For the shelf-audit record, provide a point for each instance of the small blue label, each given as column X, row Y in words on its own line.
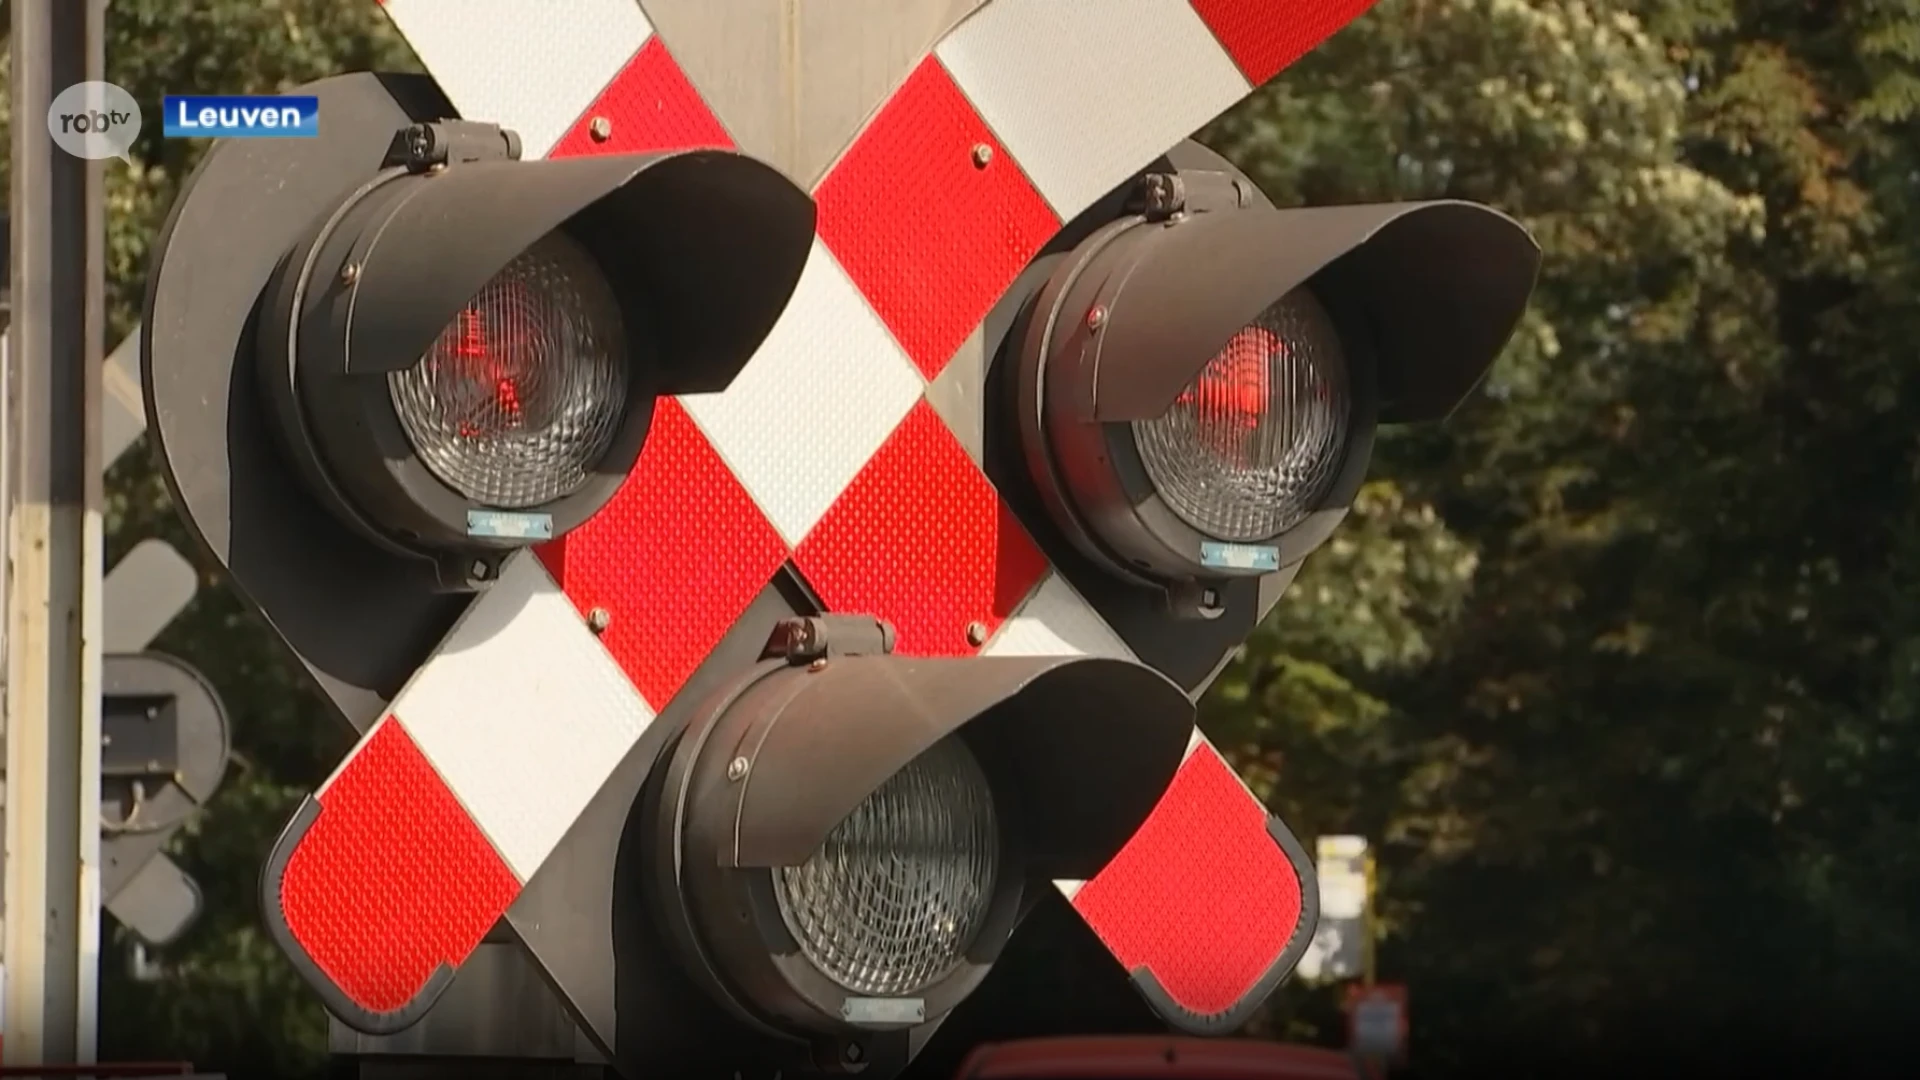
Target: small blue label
column 1219, row 556
column 507, row 525
column 240, row 116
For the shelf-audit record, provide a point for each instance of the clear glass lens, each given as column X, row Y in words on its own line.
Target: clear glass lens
column 521, row 395
column 1251, row 447
column 890, row 903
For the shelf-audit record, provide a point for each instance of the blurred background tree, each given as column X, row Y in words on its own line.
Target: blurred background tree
column 1620, row 667
column 1618, row 664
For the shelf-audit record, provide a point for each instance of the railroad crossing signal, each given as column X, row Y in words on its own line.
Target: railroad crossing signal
column 932, row 501
column 163, row 752
column 152, row 583
column 164, row 734
column 163, row 743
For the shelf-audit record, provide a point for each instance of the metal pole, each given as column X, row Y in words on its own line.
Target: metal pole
column 53, row 662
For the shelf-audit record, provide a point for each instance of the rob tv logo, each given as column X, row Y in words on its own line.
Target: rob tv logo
column 94, row 120
column 249, row 116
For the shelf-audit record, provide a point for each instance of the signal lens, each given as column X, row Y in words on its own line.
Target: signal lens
column 522, row 394
column 891, row 901
column 1253, row 445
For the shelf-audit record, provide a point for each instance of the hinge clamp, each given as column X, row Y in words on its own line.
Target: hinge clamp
column 1159, row 196
column 809, row 638
column 437, row 144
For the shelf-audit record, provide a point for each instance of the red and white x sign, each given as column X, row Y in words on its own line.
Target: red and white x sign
column 825, row 455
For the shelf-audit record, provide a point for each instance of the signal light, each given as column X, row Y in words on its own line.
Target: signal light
column 381, row 360
column 524, row 392
column 844, row 839
column 1254, row 442
column 1199, row 377
column 473, row 391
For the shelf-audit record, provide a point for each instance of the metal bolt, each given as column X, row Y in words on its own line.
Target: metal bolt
column 600, row 128
column 599, row 619
column 976, row 633
column 480, row 571
column 982, row 154
column 1096, row 317
column 818, row 665
column 349, row 273
column 852, row 1052
column 737, row 769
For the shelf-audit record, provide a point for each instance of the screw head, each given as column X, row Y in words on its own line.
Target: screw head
column 480, row 571
column 852, row 1052
column 599, row 619
column 737, row 769
column 976, row 633
column 982, row 155
column 600, row 129
column 349, row 273
column 1096, row 317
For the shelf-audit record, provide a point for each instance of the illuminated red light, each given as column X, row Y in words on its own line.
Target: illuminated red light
column 478, row 364
column 1234, row 392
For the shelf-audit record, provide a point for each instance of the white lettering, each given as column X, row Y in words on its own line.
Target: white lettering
column 224, row 117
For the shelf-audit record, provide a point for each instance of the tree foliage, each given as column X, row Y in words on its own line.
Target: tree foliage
column 1635, row 721
column 1620, row 666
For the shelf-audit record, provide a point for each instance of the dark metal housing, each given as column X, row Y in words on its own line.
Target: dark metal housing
column 1163, row 318
column 1423, row 295
column 1122, row 313
column 771, row 764
column 701, row 249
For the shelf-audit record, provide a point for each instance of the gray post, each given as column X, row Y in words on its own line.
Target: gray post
column 53, row 606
